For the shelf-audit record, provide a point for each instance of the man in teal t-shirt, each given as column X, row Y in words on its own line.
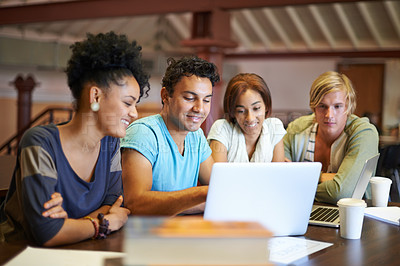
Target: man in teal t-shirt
column 166, row 155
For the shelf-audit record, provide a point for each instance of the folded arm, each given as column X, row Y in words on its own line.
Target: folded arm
column 361, row 147
column 75, row 230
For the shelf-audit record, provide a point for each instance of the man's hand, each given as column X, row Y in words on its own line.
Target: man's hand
column 326, row 176
column 287, row 160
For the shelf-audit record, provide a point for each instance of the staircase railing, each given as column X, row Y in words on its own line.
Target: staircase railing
column 45, row 117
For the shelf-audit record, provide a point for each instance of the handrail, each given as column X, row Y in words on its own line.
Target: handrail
column 50, row 110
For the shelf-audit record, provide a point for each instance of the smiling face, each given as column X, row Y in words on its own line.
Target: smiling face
column 189, row 105
column 250, row 112
column 118, row 107
column 331, row 114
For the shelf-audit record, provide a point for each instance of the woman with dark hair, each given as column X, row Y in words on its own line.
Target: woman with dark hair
column 247, row 134
column 67, row 183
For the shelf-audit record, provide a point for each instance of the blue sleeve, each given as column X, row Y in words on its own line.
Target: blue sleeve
column 38, row 182
column 143, row 139
column 205, row 150
column 115, row 181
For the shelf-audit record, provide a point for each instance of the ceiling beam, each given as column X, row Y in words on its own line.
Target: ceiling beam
column 278, row 28
column 395, row 18
column 90, row 9
column 322, row 25
column 347, row 25
column 343, row 54
column 302, row 29
column 240, row 34
column 257, row 28
column 370, row 24
column 178, row 23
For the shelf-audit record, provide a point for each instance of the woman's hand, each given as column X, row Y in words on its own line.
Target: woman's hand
column 117, row 215
column 54, row 207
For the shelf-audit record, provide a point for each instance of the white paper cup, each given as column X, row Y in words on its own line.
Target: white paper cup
column 351, row 213
column 380, row 188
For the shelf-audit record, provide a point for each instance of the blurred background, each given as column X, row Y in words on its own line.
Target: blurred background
column 287, row 42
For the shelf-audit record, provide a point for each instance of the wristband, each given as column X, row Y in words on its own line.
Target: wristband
column 96, row 228
column 103, row 227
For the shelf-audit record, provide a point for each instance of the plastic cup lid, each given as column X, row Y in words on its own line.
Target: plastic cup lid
column 351, row 202
column 378, row 179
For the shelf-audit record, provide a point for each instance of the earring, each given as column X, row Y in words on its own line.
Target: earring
column 95, row 106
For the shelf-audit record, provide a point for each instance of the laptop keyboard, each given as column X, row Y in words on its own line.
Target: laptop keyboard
column 324, row 214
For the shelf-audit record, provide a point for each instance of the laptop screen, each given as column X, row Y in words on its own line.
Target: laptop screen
column 278, row 195
column 366, row 173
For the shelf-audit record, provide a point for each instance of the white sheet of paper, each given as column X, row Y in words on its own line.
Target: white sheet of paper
column 386, row 214
column 288, row 249
column 62, row 257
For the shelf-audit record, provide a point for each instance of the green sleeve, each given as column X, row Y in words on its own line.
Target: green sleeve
column 361, row 146
column 288, row 144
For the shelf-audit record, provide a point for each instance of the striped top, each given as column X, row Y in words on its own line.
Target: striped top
column 309, row 156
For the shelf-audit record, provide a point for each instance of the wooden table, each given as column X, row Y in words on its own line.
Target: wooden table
column 113, row 242
column 379, row 245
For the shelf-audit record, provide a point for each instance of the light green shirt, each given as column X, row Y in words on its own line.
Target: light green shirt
column 357, row 143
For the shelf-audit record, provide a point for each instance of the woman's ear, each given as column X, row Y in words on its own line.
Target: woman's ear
column 95, row 93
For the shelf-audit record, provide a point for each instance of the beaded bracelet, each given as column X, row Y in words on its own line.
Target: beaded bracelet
column 103, row 227
column 96, row 228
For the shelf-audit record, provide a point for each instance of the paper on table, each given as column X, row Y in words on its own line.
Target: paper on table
column 289, row 249
column 386, row 214
column 46, row 256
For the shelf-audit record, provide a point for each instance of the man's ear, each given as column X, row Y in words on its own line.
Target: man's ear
column 164, row 95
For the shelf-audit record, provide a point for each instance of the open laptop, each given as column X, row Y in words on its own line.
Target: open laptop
column 329, row 216
column 278, row 195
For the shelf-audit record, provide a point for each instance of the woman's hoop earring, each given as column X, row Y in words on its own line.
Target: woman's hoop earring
column 95, row 106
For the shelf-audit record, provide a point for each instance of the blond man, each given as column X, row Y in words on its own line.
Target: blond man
column 332, row 135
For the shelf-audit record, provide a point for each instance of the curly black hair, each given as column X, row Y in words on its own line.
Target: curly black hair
column 103, row 59
column 188, row 66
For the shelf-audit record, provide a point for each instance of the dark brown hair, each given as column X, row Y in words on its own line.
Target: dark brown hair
column 240, row 84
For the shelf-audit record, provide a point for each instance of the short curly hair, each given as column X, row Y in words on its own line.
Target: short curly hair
column 103, row 59
column 186, row 67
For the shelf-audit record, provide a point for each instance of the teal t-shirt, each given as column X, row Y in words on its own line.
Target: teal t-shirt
column 171, row 170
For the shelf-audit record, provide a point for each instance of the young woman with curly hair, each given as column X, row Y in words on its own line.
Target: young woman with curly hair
column 67, row 183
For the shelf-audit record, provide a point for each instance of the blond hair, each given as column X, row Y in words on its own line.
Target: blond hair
column 332, row 81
